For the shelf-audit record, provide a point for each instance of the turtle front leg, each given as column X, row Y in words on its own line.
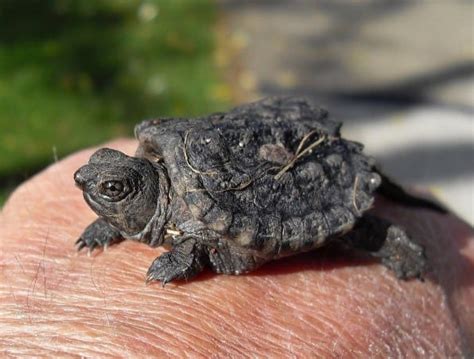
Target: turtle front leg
column 390, row 243
column 98, row 234
column 183, row 261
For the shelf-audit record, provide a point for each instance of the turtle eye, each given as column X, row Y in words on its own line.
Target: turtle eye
column 114, row 190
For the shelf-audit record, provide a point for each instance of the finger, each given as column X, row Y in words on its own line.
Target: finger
column 316, row 304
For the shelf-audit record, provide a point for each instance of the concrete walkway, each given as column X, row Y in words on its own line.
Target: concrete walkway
column 400, row 75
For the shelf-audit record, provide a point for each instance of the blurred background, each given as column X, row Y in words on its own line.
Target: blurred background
column 74, row 73
column 400, row 74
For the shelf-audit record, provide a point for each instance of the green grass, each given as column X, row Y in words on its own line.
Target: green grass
column 75, row 73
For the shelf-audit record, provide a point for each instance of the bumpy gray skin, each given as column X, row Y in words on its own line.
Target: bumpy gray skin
column 234, row 190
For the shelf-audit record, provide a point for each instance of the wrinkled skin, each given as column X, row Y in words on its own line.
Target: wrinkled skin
column 56, row 303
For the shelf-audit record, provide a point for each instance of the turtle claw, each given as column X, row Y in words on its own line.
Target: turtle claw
column 91, row 245
column 151, row 277
column 80, row 244
column 160, row 271
column 97, row 235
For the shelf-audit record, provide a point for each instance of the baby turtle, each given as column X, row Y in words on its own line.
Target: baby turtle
column 235, row 190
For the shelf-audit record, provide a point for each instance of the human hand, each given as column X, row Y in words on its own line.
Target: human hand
column 56, row 302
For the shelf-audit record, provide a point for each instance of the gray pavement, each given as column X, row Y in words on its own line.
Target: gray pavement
column 400, row 74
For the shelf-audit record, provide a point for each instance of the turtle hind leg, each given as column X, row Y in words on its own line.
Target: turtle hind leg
column 400, row 254
column 390, row 243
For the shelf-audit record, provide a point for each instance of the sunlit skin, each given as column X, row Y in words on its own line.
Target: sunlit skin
column 56, row 302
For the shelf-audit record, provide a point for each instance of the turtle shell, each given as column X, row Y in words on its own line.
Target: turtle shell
column 274, row 175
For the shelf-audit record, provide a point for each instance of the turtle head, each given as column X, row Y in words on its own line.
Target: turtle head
column 122, row 190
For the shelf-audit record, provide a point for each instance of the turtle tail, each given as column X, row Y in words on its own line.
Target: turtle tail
column 395, row 192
